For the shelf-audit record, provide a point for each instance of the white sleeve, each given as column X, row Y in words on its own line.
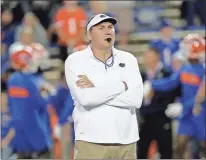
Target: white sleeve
column 133, row 97
column 90, row 97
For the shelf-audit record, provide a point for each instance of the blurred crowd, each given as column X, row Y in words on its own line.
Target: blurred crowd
column 36, row 116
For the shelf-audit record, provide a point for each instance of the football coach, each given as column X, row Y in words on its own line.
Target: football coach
column 107, row 88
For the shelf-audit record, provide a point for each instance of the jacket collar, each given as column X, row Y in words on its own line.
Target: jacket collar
column 90, row 52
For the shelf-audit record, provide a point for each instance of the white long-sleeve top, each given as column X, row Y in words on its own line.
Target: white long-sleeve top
column 105, row 113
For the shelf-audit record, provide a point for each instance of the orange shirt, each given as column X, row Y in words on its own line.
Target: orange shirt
column 71, row 22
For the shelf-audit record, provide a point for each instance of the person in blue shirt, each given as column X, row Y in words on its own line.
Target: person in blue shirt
column 66, row 122
column 190, row 77
column 155, row 125
column 7, row 130
column 166, row 44
column 62, row 104
column 8, row 28
column 46, row 89
column 25, row 102
column 7, row 38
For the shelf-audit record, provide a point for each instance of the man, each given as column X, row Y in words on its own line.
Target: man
column 25, row 104
column 7, row 130
column 190, row 77
column 60, row 108
column 156, row 125
column 69, row 24
column 106, row 87
column 26, row 38
column 7, row 30
column 166, row 44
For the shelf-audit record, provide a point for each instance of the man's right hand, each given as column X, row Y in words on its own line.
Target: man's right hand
column 84, row 82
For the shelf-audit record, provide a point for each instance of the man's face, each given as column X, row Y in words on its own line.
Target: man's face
column 26, row 38
column 167, row 32
column 6, row 17
column 150, row 59
column 99, row 33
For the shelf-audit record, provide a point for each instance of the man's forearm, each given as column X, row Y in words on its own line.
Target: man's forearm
column 132, row 98
column 129, row 99
column 200, row 94
column 94, row 96
column 97, row 96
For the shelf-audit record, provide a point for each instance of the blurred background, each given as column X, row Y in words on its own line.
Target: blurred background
column 142, row 25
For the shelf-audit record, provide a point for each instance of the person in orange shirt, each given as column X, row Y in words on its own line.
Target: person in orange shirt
column 70, row 21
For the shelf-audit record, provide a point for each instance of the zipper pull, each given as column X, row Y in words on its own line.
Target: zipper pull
column 105, row 67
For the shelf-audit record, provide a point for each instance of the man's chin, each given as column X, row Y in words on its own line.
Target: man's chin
column 108, row 44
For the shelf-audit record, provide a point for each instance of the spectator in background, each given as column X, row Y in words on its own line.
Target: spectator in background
column 70, row 27
column 97, row 7
column 25, row 38
column 7, row 30
column 7, row 131
column 63, row 128
column 26, row 101
column 18, row 10
column 123, row 11
column 39, row 33
column 191, row 8
column 7, row 38
column 156, row 125
column 166, row 44
column 41, row 10
column 189, row 77
column 56, row 110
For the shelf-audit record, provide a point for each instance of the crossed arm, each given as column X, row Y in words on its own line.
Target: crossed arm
column 124, row 94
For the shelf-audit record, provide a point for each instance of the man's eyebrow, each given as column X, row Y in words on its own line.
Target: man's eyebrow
column 111, row 25
column 103, row 25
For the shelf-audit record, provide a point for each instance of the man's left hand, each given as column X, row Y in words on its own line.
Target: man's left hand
column 84, row 82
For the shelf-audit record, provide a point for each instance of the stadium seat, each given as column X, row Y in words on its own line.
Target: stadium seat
column 147, row 18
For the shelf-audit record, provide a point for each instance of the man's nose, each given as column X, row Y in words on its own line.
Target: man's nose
column 108, row 32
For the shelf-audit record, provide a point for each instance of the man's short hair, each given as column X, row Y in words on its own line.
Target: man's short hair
column 90, row 21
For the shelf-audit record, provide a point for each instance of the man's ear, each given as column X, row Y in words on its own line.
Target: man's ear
column 89, row 35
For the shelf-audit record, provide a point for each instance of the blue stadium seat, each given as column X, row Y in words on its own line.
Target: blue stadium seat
column 147, row 18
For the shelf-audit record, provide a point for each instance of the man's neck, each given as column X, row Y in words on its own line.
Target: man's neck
column 100, row 54
column 166, row 39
